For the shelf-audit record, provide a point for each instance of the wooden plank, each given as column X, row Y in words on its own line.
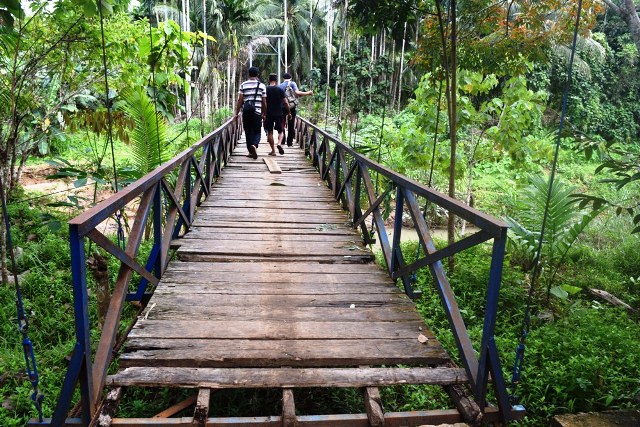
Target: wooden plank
column 294, row 301
column 272, row 165
column 182, row 352
column 392, row 419
column 263, row 183
column 177, row 407
column 271, row 215
column 289, row 418
column 269, row 329
column 266, row 266
column 281, row 228
column 171, row 309
column 284, row 377
column 373, row 404
column 284, row 205
column 191, row 277
column 273, row 193
column 241, row 235
column 326, row 225
column 201, row 412
column 108, row 407
column 200, row 290
column 328, row 259
column 266, row 248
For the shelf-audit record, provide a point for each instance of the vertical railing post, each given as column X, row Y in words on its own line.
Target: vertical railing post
column 489, row 361
column 83, row 327
column 187, row 198
column 158, row 232
column 336, row 169
column 397, row 229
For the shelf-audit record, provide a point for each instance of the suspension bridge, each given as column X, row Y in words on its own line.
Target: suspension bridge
column 260, row 277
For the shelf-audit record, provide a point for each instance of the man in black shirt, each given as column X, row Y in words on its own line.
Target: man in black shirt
column 273, row 119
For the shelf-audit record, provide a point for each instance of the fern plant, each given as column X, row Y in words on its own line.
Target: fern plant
column 148, row 138
column 565, row 223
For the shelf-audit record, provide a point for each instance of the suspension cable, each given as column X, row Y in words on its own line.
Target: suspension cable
column 23, row 321
column 526, row 321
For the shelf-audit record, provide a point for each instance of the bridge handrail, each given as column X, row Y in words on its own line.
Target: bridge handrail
column 103, row 210
column 347, row 174
column 169, row 204
column 464, row 211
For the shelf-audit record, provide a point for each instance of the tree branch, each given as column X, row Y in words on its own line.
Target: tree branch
column 612, row 5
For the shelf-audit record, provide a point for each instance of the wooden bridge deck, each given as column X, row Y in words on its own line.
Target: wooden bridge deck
column 273, row 288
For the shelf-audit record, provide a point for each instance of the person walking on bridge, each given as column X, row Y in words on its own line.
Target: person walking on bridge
column 252, row 104
column 276, row 103
column 292, row 93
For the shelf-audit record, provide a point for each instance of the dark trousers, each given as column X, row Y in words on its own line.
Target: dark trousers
column 252, row 124
column 291, row 132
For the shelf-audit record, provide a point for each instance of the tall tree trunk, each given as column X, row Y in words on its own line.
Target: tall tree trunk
column 204, row 30
column 329, row 44
column 629, row 14
column 373, row 52
column 286, row 38
column 187, row 74
column 404, row 38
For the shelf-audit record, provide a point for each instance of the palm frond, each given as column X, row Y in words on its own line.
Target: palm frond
column 148, row 138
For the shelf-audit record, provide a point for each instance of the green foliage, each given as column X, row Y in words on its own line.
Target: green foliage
column 365, row 91
column 148, row 138
column 586, row 361
column 564, row 225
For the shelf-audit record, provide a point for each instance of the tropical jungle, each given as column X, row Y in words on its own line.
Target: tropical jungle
column 525, row 110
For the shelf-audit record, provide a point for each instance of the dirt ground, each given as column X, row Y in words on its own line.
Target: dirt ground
column 35, row 184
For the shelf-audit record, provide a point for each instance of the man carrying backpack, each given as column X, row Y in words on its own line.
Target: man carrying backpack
column 292, row 93
column 252, row 104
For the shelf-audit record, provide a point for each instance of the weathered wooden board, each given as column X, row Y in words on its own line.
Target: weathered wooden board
column 293, row 301
column 272, row 165
column 266, row 266
column 364, row 280
column 268, row 329
column 235, row 234
column 264, row 353
column 276, row 222
column 274, row 247
column 328, row 259
column 164, row 311
column 272, row 216
column 285, row 377
column 260, row 288
column 283, row 205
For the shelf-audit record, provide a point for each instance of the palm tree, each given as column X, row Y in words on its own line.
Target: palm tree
column 269, row 20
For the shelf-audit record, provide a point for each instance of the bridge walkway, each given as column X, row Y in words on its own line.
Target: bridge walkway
column 256, row 278
column 273, row 288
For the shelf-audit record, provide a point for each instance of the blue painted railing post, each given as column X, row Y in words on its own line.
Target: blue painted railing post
column 186, row 207
column 158, row 232
column 397, row 229
column 80, row 364
column 489, row 360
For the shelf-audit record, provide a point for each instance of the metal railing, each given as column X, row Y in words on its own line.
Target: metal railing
column 347, row 174
column 165, row 202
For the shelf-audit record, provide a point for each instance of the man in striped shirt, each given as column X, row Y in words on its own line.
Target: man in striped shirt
column 256, row 94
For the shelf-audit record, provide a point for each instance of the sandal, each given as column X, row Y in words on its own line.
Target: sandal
column 280, row 150
column 272, row 154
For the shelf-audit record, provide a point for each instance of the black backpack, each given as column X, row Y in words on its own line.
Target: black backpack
column 249, row 107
